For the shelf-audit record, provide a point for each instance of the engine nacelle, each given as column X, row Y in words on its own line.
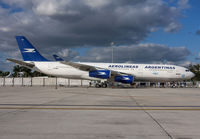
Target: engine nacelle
column 103, row 74
column 124, row 79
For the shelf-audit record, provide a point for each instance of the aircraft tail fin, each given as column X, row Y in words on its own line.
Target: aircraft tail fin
column 28, row 51
column 57, row 58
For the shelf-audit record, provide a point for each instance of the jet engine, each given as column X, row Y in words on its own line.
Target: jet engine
column 103, row 74
column 124, row 79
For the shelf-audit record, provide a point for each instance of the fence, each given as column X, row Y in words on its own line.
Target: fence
column 46, row 81
column 188, row 84
column 42, row 81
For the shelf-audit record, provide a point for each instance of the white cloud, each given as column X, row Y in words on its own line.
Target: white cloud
column 141, row 53
column 97, row 3
column 183, row 4
column 68, row 54
column 56, row 25
column 64, row 53
column 75, row 24
column 173, row 27
column 4, row 29
column 49, row 7
column 198, row 56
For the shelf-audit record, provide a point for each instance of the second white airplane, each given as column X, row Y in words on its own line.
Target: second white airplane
column 113, row 72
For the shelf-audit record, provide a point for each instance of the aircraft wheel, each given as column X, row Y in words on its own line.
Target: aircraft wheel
column 97, row 85
column 104, row 85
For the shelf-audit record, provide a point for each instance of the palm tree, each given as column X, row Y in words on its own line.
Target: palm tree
column 17, row 69
column 196, row 70
column 26, row 72
column 6, row 73
column 36, row 74
column 1, row 73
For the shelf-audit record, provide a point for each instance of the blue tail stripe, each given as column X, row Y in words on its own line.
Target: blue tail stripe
column 28, row 51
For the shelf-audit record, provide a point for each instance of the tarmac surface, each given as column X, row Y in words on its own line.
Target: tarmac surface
column 90, row 113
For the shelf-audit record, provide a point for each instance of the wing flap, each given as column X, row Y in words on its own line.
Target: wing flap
column 80, row 66
column 85, row 67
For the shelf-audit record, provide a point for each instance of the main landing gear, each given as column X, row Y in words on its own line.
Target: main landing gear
column 101, row 84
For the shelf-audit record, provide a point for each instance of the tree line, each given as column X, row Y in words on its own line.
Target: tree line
column 20, row 71
column 196, row 70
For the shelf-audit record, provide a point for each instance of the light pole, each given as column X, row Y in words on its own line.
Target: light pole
column 112, row 47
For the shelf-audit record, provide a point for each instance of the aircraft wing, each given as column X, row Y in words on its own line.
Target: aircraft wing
column 29, row 65
column 85, row 67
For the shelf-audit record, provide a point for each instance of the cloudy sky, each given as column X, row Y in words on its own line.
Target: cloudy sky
column 143, row 31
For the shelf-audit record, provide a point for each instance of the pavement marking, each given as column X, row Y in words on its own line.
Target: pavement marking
column 150, row 115
column 98, row 94
column 68, row 105
column 120, row 109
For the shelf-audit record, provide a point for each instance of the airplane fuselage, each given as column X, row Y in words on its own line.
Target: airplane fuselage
column 141, row 72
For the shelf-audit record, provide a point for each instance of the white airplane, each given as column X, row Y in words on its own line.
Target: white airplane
column 111, row 72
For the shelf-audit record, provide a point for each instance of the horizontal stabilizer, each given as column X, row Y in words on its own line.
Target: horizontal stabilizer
column 30, row 65
column 57, row 58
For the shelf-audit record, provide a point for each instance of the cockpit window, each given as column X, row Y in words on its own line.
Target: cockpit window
column 187, row 70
